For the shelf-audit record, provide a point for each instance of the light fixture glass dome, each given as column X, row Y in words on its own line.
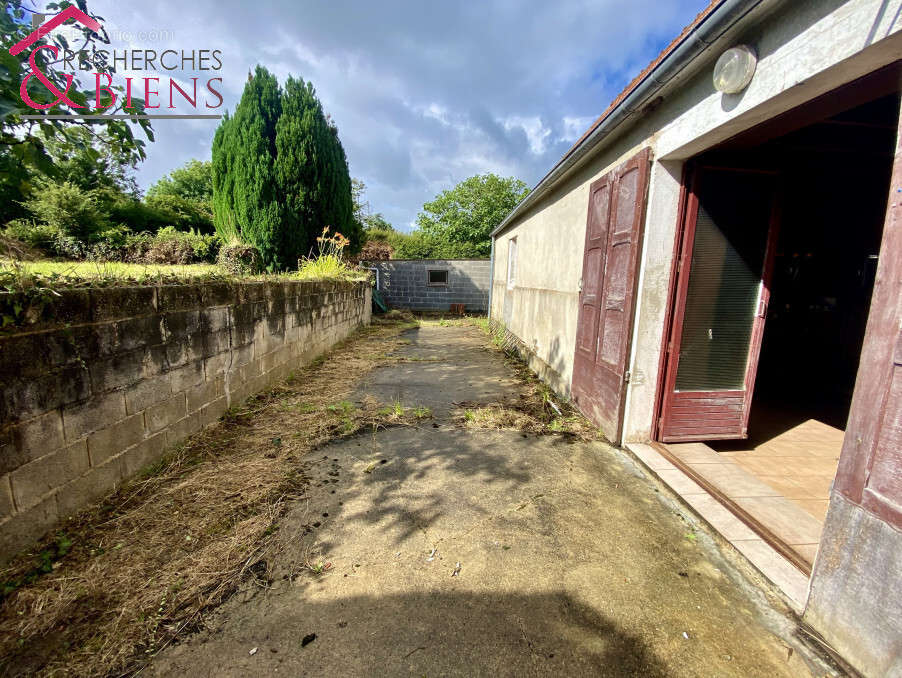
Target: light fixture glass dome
column 734, row 69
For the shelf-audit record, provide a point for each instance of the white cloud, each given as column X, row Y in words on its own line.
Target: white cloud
column 574, row 127
column 423, row 94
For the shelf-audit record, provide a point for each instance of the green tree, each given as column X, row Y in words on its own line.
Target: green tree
column 86, row 159
column 192, row 181
column 186, row 193
column 280, row 174
column 23, row 142
column 312, row 173
column 376, row 222
column 247, row 206
column 469, row 212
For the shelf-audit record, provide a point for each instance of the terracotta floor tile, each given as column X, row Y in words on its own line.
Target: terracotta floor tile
column 806, row 487
column 776, row 568
column 696, row 453
column 816, row 507
column 733, row 480
column 785, row 519
column 650, row 457
column 720, row 517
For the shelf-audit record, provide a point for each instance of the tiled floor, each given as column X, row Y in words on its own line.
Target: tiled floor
column 781, row 476
column 771, row 564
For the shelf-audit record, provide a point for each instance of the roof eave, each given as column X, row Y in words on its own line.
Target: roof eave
column 707, row 29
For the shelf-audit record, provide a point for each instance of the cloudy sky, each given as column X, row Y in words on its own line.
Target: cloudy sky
column 424, row 93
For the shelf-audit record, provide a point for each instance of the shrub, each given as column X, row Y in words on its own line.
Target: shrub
column 329, row 263
column 69, row 210
column 110, row 244
column 38, row 236
column 240, row 259
column 171, row 246
column 420, row 245
column 374, row 251
column 184, row 214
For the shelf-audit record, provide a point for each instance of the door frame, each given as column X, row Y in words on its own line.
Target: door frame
column 880, row 82
column 677, row 306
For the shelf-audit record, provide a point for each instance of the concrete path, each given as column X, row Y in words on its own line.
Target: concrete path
column 572, row 562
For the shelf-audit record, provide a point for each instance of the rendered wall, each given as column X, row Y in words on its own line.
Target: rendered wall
column 99, row 383
column 404, row 283
column 854, row 600
column 806, row 48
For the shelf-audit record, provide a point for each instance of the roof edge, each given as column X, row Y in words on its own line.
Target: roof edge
column 710, row 25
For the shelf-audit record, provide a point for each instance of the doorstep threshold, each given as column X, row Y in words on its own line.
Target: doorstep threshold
column 784, row 573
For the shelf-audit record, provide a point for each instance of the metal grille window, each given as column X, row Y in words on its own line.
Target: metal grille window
column 438, row 277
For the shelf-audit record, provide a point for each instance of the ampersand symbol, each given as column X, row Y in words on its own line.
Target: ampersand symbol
column 47, row 82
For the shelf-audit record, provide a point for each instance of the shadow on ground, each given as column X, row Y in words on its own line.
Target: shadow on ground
column 430, row 634
column 431, row 550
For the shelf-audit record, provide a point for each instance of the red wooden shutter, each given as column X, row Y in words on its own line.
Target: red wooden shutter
column 614, row 232
column 870, row 467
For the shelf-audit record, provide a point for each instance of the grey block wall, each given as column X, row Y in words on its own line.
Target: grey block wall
column 404, row 283
column 100, row 383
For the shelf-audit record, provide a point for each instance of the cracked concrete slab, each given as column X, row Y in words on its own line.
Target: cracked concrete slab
column 572, row 560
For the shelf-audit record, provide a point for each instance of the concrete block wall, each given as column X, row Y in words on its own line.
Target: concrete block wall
column 404, row 283
column 99, row 383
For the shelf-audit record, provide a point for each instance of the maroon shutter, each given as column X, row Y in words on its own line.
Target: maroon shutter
column 870, row 467
column 614, row 231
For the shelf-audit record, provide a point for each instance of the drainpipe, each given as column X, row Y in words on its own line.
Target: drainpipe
column 709, row 30
column 491, row 278
column 376, row 271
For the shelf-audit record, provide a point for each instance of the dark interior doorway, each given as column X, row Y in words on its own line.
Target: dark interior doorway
column 834, row 180
column 835, row 177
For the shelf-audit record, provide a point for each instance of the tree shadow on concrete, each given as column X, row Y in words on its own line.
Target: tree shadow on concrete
column 408, row 480
column 431, row 633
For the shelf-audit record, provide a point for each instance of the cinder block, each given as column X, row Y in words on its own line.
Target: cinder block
column 247, row 372
column 217, row 365
column 142, row 455
column 136, row 333
column 95, row 414
column 180, row 430
column 107, row 443
column 147, row 393
column 120, row 370
column 212, row 411
column 187, row 377
column 24, row 528
column 7, row 508
column 41, row 435
column 205, row 393
column 166, row 413
column 32, row 482
column 97, row 482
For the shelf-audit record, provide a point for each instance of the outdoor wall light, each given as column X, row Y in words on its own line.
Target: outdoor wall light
column 734, row 69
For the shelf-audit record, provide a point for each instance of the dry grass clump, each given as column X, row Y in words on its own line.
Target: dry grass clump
column 123, row 580
column 537, row 410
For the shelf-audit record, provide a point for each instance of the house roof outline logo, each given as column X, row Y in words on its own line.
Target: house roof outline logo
column 42, row 30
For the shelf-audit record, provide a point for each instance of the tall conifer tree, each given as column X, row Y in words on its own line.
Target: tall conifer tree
column 280, row 174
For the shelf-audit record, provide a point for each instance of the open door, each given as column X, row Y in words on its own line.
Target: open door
column 614, row 231
column 723, row 289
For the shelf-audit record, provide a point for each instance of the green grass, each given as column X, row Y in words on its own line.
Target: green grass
column 86, row 270
column 328, row 267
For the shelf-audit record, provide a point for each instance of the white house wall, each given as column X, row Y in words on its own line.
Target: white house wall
column 806, row 48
